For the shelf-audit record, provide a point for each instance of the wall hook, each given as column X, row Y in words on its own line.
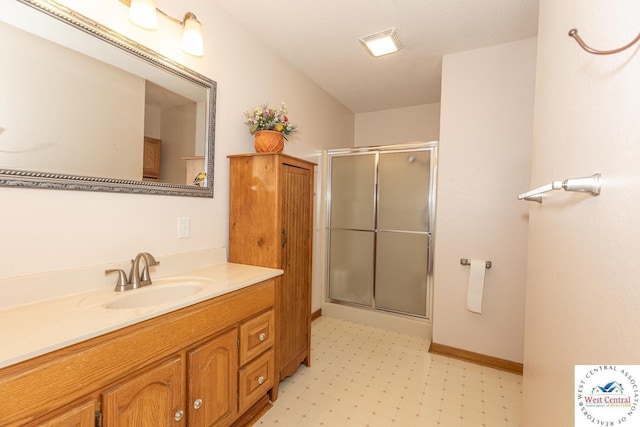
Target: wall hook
column 574, row 33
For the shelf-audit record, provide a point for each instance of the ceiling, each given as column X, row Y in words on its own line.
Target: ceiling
column 320, row 38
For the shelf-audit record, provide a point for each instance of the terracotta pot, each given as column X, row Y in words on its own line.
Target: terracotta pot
column 268, row 141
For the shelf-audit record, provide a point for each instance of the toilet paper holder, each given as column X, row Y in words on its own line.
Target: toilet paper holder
column 465, row 261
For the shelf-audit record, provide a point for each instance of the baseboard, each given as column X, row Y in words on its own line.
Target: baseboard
column 316, row 314
column 477, row 358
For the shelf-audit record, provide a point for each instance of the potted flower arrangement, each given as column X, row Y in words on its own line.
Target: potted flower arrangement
column 270, row 126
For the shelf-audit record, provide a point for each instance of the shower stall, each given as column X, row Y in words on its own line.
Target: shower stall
column 380, row 228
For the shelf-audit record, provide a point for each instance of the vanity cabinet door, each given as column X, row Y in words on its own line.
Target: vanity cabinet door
column 152, row 398
column 81, row 415
column 213, row 385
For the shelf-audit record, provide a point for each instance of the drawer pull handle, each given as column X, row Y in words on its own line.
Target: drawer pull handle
column 178, row 415
column 261, row 379
column 197, row 404
column 262, row 336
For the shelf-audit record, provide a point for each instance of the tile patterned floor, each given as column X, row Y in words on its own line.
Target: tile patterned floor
column 368, row 377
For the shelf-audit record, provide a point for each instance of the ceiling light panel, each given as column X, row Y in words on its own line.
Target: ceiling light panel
column 382, row 43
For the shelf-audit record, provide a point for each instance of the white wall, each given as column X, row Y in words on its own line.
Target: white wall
column 44, row 111
column 152, row 121
column 45, row 230
column 178, row 141
column 484, row 157
column 583, row 291
column 398, row 125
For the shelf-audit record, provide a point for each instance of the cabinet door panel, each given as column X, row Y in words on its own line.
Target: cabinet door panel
column 150, row 399
column 82, row 415
column 213, row 386
column 295, row 293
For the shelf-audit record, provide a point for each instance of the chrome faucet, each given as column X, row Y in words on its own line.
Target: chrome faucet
column 137, row 278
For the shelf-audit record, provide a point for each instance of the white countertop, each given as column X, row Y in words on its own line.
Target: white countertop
column 30, row 330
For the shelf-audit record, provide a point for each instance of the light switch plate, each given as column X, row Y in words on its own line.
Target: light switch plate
column 184, row 231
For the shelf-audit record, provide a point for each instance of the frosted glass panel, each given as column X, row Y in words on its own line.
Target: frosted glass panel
column 352, row 192
column 403, row 186
column 401, row 272
column 351, row 266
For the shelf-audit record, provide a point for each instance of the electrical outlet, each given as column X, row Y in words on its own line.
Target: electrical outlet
column 184, row 231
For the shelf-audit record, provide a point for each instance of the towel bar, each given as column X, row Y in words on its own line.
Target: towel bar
column 589, row 184
column 465, row 261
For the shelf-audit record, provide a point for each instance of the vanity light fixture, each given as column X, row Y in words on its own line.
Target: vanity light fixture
column 144, row 13
column 192, row 36
column 382, row 43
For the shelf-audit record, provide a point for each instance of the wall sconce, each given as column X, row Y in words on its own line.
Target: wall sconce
column 144, row 13
column 382, row 43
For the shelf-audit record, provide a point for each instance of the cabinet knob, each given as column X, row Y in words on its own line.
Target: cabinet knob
column 261, row 379
column 178, row 415
column 197, row 404
column 262, row 336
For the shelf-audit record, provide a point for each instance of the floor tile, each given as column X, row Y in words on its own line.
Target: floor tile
column 361, row 376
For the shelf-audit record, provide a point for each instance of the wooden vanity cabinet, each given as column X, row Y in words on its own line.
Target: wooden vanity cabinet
column 179, row 369
column 271, row 201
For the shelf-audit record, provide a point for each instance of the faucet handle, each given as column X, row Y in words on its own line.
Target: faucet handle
column 123, row 283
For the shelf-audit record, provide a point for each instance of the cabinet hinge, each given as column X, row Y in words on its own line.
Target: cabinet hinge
column 98, row 418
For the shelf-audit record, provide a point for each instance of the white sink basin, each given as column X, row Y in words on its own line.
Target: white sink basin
column 162, row 291
column 154, row 296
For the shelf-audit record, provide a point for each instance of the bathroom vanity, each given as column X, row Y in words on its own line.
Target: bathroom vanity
column 209, row 362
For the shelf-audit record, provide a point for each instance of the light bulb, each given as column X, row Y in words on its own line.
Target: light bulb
column 143, row 14
column 192, row 36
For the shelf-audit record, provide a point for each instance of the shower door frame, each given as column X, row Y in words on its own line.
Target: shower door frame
column 432, row 147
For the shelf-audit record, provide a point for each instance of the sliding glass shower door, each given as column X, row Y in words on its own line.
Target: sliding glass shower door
column 380, row 229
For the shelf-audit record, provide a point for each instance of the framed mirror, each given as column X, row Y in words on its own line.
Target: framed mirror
column 85, row 108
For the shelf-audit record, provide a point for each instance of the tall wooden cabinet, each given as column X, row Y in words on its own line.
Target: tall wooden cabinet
column 271, row 225
column 151, row 159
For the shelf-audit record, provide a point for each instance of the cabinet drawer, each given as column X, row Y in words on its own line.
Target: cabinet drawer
column 256, row 335
column 255, row 379
column 82, row 415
